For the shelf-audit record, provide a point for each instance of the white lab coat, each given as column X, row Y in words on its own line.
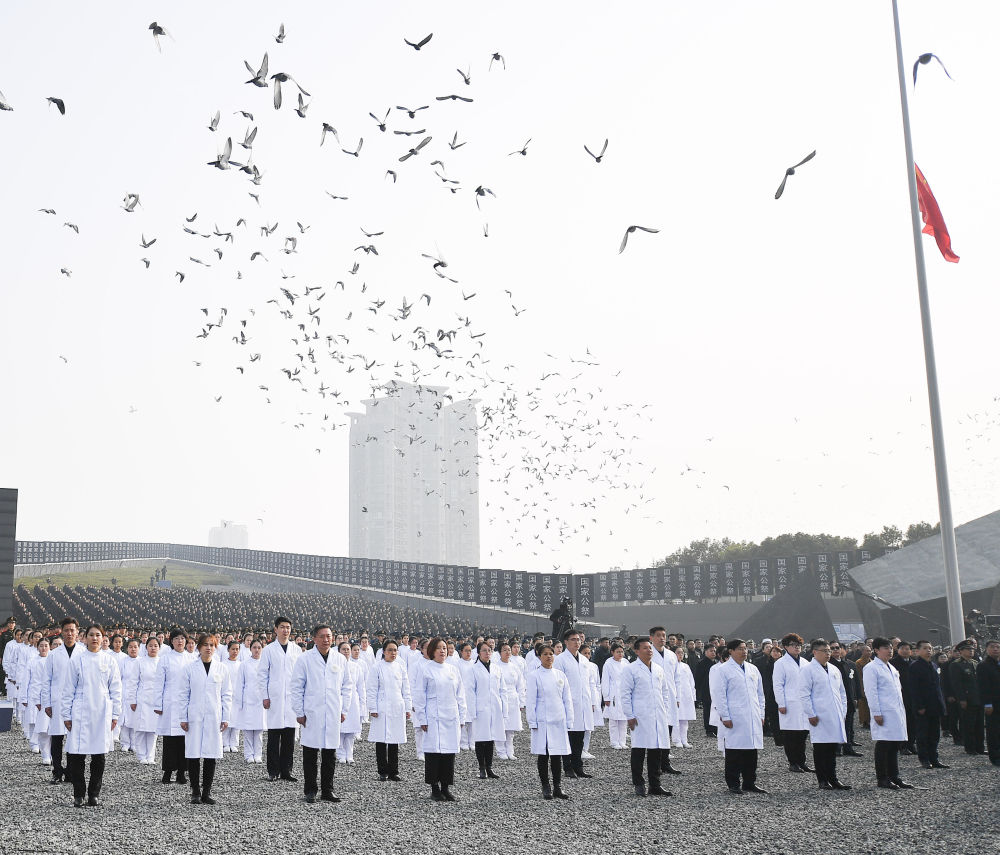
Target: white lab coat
column 487, row 703
column 144, row 692
column 786, row 692
column 54, row 684
column 595, row 693
column 322, row 692
column 578, row 674
column 610, row 689
column 247, row 707
column 166, row 693
column 513, row 692
column 464, row 668
column 356, row 709
column 129, row 670
column 91, row 700
column 646, row 697
column 885, row 698
column 10, row 653
column 821, row 693
column 388, row 694
column 738, row 696
column 685, row 693
column 205, row 702
column 668, row 662
column 439, row 702
column 273, row 676
column 549, row 710
column 33, row 695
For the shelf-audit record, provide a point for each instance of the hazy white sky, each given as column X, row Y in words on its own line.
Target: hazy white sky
column 771, row 346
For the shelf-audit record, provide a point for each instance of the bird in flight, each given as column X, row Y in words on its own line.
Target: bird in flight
column 523, row 150
column 280, row 38
column 328, row 129
column 60, row 104
column 357, row 151
column 454, row 144
column 213, row 125
column 454, row 98
column 631, row 230
column 279, row 78
column 412, row 113
column 924, row 59
column 497, row 58
column 157, row 32
column 301, row 109
column 222, row 161
column 597, row 157
column 791, row 171
column 259, row 78
column 421, row 43
column 130, row 200
column 466, row 75
column 4, row 105
column 381, row 122
column 146, row 244
column 415, row 151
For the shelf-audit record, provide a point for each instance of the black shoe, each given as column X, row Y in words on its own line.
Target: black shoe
column 94, row 801
column 906, row 752
column 657, row 790
column 558, row 793
column 290, row 778
column 272, row 778
column 395, row 778
column 825, row 785
column 854, row 744
column 569, row 773
column 436, row 793
column 670, row 770
column 56, row 779
column 448, row 796
column 804, row 768
column 753, row 788
column 736, row 791
column 166, row 778
column 491, row 774
column 310, row 798
column 640, row 790
column 482, row 773
column 78, row 801
column 839, row 786
column 206, row 799
column 887, row 785
column 852, row 753
column 926, row 764
column 902, row 785
column 581, row 774
column 327, row 796
column 794, row 767
column 181, row 779
column 937, row 764
column 383, row 777
column 546, row 792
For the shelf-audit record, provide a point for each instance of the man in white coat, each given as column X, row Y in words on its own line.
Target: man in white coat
column 663, row 657
column 575, row 667
column 888, row 715
column 791, row 718
column 273, row 676
column 645, row 698
column 824, row 702
column 53, row 686
column 320, row 695
column 738, row 695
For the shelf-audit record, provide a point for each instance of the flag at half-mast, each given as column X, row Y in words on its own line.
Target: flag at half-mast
column 933, row 221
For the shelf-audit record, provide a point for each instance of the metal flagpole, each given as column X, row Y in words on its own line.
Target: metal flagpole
column 953, row 588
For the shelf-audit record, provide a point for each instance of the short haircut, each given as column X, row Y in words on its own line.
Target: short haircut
column 388, row 644
column 734, row 643
column 177, row 632
column 616, row 646
column 709, row 647
column 791, row 638
column 207, row 638
column 433, row 645
column 66, row 621
column 922, row 642
column 542, row 647
column 903, row 643
column 639, row 642
column 655, row 629
column 463, row 645
column 819, row 642
column 319, row 628
column 280, row 620
column 232, row 644
column 879, row 641
column 91, row 626
column 150, row 640
column 569, row 633
column 481, row 645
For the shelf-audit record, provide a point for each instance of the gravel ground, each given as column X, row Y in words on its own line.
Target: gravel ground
column 957, row 813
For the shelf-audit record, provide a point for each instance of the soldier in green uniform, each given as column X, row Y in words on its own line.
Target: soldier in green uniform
column 965, row 687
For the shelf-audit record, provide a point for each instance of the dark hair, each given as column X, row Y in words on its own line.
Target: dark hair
column 280, row 620
column 434, row 643
column 177, row 632
column 655, row 629
column 879, row 641
column 734, row 643
column 818, row 642
column 709, row 647
column 791, row 638
column 387, row 643
column 903, row 641
column 231, row 643
column 463, row 645
column 93, row 626
column 639, row 642
column 616, row 646
column 207, row 638
column 66, row 621
column 542, row 647
column 152, row 638
column 569, row 633
column 481, row 645
column 319, row 628
column 924, row 641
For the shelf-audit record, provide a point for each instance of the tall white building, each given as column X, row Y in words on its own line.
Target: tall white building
column 414, row 477
column 229, row 534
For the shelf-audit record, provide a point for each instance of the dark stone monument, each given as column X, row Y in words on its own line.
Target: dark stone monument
column 8, row 536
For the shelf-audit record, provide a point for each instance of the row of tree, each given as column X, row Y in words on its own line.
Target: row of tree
column 800, row 543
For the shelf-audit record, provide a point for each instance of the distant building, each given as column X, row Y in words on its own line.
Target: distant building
column 414, row 477
column 229, row 534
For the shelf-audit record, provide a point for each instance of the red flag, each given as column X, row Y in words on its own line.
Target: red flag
column 933, row 221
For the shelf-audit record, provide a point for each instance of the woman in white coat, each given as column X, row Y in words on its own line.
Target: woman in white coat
column 821, row 690
column 685, row 700
column 737, row 691
column 143, row 698
column 888, row 715
column 464, row 665
column 488, row 707
column 350, row 728
column 610, row 684
column 173, row 661
column 439, row 708
column 249, row 712
column 38, row 720
column 128, row 667
column 791, row 718
column 91, row 706
column 320, row 693
column 389, row 705
column 206, row 698
column 596, row 720
column 231, row 738
column 513, row 689
column 548, row 706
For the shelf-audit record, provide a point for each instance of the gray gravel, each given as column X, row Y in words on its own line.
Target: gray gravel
column 958, row 813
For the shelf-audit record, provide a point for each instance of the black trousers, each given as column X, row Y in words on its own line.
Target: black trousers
column 75, row 766
column 776, row 732
column 280, row 750
column 741, row 763
column 484, row 754
column 887, row 760
column 955, row 722
column 706, row 712
column 928, row 736
column 555, row 762
column 993, row 737
column 439, row 769
column 173, row 754
column 973, row 729
column 58, row 770
column 825, row 761
column 911, row 728
column 574, row 761
column 795, row 746
column 199, row 785
column 387, row 758
column 849, row 721
column 652, row 758
column 327, row 763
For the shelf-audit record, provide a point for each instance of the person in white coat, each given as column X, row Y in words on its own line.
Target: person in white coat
column 273, row 675
column 737, row 691
column 204, row 707
column 646, row 699
column 439, row 708
column 355, row 711
column 791, row 718
column 128, row 667
column 53, row 686
column 91, row 705
column 249, row 712
column 596, row 720
column 888, row 715
column 142, row 699
column 464, row 665
column 685, row 700
column 231, row 659
column 10, row 653
column 548, row 707
column 824, row 701
column 36, row 718
column 487, row 701
column 513, row 689
column 320, row 694
column 610, row 682
column 576, row 669
column 168, row 677
column 389, row 704
column 663, row 657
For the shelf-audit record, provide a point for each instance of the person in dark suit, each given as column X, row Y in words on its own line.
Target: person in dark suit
column 927, row 703
column 901, row 661
column 702, row 690
column 851, row 675
column 954, row 718
column 772, row 726
column 988, row 676
column 965, row 687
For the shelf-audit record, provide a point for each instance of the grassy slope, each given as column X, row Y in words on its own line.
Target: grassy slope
column 136, row 575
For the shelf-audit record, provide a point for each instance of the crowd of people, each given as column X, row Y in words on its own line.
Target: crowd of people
column 83, row 690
